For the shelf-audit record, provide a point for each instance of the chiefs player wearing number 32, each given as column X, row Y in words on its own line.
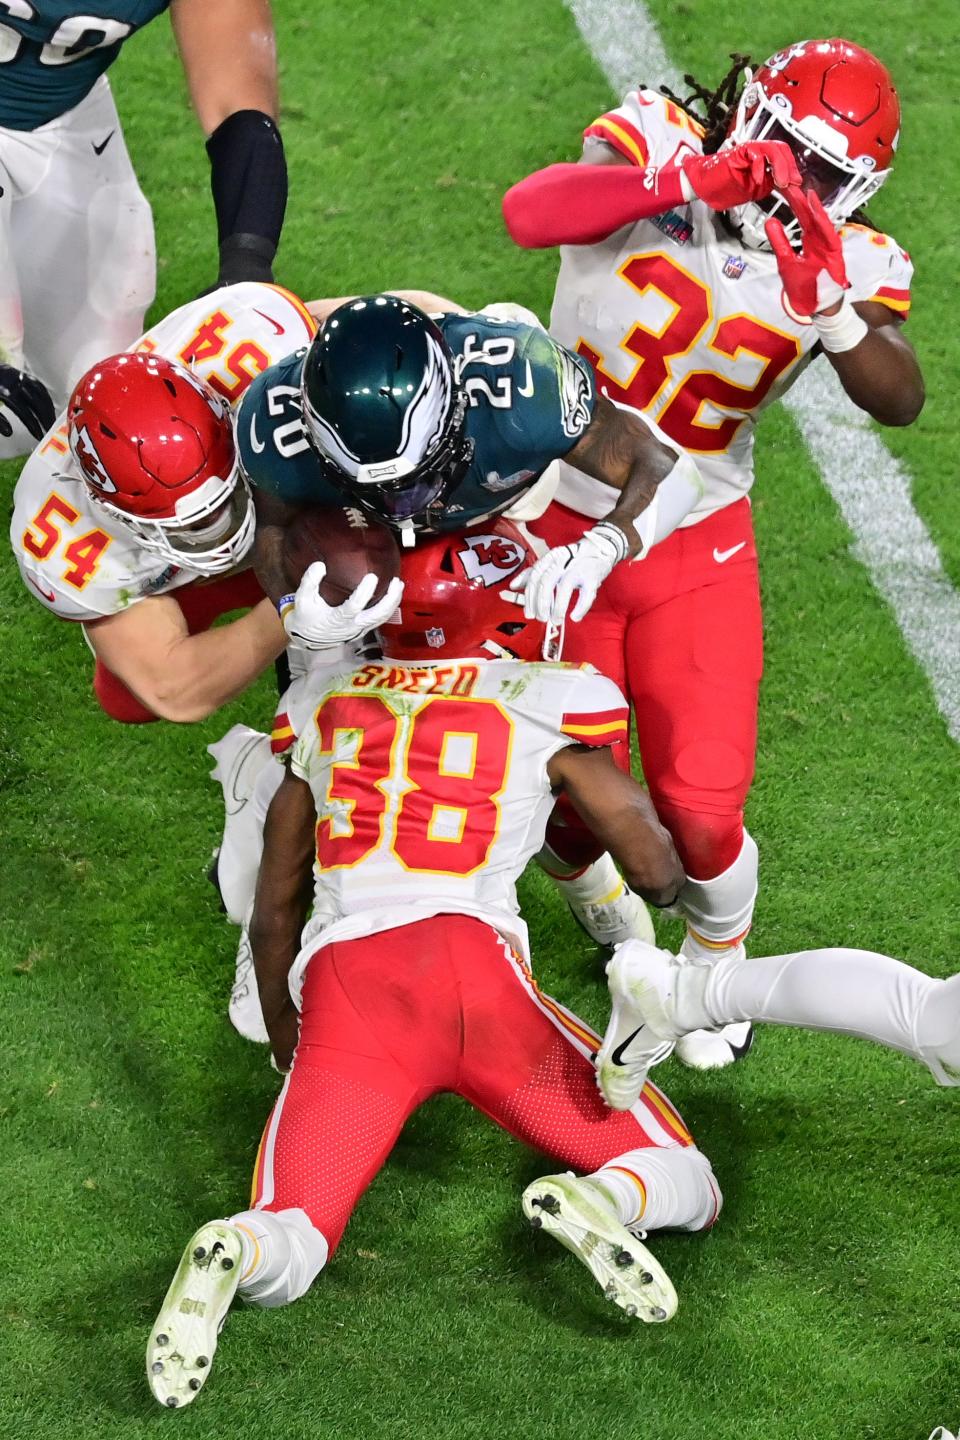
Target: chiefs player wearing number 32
column 708, row 259
column 132, row 517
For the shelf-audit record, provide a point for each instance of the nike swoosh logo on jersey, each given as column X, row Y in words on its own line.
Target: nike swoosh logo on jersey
column 617, row 1056
column 257, row 446
column 280, row 329
column 721, row 556
column 526, row 389
column 47, row 594
column 99, row 149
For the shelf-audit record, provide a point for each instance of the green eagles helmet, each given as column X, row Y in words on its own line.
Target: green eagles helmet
column 383, row 409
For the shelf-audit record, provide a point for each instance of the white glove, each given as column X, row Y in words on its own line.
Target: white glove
column 548, row 587
column 313, row 624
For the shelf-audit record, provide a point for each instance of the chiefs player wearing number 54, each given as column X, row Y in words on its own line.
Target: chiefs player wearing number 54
column 131, row 516
column 708, row 259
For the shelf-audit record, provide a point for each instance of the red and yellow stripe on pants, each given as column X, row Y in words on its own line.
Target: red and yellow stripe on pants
column 392, row 1018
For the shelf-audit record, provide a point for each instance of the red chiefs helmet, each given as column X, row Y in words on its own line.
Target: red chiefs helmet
column 456, row 603
column 155, row 446
column 835, row 105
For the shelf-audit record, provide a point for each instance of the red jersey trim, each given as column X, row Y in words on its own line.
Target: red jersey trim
column 623, row 137
column 282, row 736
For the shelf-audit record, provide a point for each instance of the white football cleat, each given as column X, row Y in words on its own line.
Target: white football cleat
column 640, row 1032
column 614, row 919
column 184, row 1338
column 715, row 1049
column 581, row 1217
column 244, row 1010
column 240, row 755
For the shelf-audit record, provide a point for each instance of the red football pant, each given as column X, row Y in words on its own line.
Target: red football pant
column 444, row 1004
column 202, row 602
column 681, row 634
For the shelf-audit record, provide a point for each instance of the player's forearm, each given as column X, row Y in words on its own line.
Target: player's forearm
column 571, row 204
column 268, row 561
column 275, row 942
column 650, row 510
column 202, row 672
column 882, row 376
column 229, row 57
column 284, row 887
column 621, row 816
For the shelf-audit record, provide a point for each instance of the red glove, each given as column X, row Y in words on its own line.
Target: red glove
column 744, row 172
column 815, row 277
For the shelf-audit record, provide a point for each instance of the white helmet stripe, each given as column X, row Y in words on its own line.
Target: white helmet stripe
column 424, row 419
column 330, row 444
column 426, row 415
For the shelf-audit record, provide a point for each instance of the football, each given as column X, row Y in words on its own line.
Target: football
column 351, row 545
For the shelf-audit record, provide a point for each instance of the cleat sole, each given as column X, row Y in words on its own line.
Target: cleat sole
column 626, row 1272
column 184, row 1339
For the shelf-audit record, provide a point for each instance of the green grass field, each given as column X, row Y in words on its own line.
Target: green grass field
column 825, row 1302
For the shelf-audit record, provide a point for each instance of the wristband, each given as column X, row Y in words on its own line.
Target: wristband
column 285, row 604
column 614, row 536
column 246, row 257
column 842, row 331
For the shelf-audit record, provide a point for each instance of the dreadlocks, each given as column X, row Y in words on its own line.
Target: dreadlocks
column 717, row 104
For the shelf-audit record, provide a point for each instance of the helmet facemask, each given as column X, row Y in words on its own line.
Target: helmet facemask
column 211, row 531
column 821, row 154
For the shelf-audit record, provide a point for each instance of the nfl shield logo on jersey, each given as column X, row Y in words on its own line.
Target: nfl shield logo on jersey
column 734, row 266
column 436, row 638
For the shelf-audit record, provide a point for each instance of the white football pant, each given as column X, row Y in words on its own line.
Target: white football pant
column 77, row 255
column 852, row 992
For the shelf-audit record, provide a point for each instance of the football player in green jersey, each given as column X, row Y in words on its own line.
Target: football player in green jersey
column 435, row 423
column 77, row 263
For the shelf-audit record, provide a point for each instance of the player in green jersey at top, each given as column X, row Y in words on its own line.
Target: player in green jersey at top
column 77, row 261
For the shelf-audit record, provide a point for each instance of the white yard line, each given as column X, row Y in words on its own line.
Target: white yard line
column 870, row 486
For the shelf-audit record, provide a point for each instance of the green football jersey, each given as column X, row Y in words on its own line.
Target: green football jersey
column 52, row 52
column 529, row 402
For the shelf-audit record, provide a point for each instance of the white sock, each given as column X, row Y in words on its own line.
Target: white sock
column 242, row 843
column 719, row 912
column 595, row 885
column 661, row 1189
column 938, row 1030
column 283, row 1253
column 851, row 992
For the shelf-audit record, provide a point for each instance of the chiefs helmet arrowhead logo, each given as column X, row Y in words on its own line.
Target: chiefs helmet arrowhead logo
column 491, row 559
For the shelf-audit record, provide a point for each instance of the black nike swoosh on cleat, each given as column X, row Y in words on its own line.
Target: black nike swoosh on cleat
column 617, row 1056
column 738, row 1051
column 99, row 149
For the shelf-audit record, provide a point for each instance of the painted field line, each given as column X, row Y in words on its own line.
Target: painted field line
column 869, row 484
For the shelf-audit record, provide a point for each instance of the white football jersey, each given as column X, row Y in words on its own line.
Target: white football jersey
column 685, row 324
column 431, row 786
column 73, row 556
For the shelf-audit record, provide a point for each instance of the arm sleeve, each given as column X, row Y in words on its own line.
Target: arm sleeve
column 248, row 177
column 584, row 204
